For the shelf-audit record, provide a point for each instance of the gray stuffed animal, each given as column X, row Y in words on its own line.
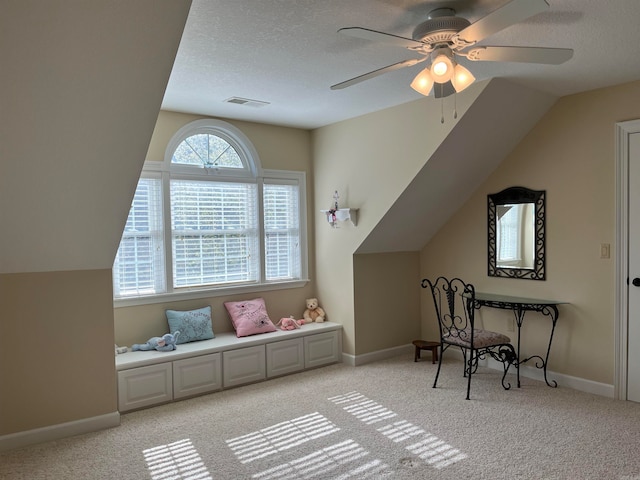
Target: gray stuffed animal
column 165, row 343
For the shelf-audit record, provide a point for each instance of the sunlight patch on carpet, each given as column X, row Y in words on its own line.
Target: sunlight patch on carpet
column 344, row 455
column 362, row 408
column 281, row 436
column 424, row 445
column 176, row 461
column 435, row 452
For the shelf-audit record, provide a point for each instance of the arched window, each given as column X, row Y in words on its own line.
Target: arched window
column 215, row 146
column 211, row 220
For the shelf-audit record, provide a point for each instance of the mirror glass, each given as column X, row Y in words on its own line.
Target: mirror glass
column 516, row 233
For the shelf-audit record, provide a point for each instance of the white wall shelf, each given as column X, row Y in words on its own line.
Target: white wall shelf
column 342, row 215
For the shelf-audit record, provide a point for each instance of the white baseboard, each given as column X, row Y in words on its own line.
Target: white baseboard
column 577, row 383
column 563, row 380
column 356, row 360
column 56, row 432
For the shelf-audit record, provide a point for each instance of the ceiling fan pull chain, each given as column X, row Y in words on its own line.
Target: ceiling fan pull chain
column 441, row 105
column 455, row 106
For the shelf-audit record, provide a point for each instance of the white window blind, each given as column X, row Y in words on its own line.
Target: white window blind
column 139, row 265
column 214, row 233
column 509, row 235
column 282, row 231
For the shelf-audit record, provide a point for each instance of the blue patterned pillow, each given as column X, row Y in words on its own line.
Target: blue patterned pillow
column 193, row 324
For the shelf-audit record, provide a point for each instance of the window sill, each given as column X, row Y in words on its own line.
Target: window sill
column 206, row 293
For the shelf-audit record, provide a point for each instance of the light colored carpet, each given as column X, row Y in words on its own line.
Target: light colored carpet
column 380, row 420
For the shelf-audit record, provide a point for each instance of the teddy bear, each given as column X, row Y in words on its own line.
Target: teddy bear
column 165, row 343
column 314, row 312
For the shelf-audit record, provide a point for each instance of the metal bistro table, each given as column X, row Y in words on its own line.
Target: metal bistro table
column 519, row 306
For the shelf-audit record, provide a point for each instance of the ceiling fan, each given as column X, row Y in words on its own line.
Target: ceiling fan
column 444, row 36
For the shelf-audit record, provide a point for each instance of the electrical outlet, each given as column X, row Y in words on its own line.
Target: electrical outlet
column 511, row 325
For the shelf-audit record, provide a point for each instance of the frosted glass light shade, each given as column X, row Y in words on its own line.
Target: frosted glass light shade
column 423, row 83
column 462, row 78
column 442, row 68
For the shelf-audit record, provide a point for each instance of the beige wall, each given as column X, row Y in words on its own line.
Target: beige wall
column 278, row 148
column 139, row 323
column 77, row 111
column 571, row 155
column 56, row 364
column 386, row 304
column 80, row 91
column 370, row 160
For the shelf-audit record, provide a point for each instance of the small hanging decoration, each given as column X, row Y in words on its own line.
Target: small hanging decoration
column 331, row 213
column 336, row 214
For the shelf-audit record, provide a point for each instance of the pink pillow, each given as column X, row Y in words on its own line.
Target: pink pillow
column 249, row 317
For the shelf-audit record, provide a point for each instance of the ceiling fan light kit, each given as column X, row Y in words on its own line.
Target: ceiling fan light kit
column 444, row 36
column 442, row 65
column 443, row 69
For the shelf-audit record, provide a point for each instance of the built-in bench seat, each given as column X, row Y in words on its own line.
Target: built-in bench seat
column 148, row 378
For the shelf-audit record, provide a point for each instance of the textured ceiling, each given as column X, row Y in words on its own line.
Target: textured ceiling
column 288, row 53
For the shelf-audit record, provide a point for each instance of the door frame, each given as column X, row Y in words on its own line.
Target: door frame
column 621, row 320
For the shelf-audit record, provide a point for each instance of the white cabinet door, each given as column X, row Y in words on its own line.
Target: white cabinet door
column 285, row 357
column 144, row 386
column 321, row 349
column 193, row 376
column 244, row 365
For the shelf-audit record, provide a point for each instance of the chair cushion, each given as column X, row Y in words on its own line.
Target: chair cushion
column 481, row 338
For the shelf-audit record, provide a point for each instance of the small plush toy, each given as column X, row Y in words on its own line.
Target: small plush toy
column 314, row 312
column 289, row 323
column 165, row 343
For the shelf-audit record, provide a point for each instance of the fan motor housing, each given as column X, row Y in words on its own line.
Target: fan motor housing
column 441, row 26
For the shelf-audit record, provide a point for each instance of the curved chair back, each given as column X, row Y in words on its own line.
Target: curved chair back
column 454, row 303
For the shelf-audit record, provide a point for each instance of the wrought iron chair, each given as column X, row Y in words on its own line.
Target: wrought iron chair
column 454, row 302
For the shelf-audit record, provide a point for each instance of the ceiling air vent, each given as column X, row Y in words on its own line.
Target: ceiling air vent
column 246, row 101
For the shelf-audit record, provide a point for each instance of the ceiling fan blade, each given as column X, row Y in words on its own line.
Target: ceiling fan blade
column 376, row 36
column 375, row 73
column 551, row 56
column 505, row 16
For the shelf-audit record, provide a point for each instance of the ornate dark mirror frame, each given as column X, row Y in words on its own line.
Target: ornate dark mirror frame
column 515, row 195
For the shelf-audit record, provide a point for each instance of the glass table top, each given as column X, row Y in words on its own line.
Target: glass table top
column 496, row 297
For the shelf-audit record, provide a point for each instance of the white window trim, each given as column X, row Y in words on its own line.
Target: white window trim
column 244, row 147
column 207, row 293
column 226, row 131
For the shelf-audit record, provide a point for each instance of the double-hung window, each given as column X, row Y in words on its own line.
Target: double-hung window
column 209, row 221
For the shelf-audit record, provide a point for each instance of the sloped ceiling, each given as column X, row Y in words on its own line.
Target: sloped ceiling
column 496, row 122
column 80, row 91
